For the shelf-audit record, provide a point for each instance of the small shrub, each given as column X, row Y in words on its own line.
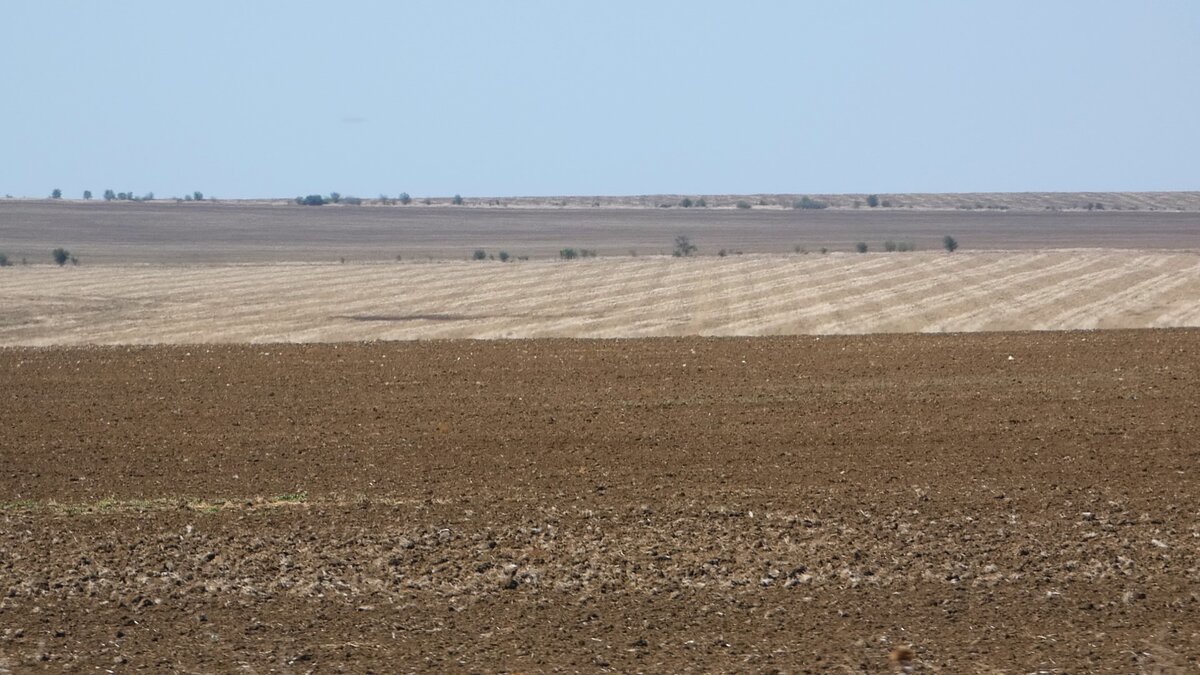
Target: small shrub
column 87, row 194
column 587, row 253
column 872, row 200
column 568, row 254
column 683, row 247
column 313, row 200
column 722, row 253
column 861, row 247
column 4, row 260
column 949, row 243
column 427, row 201
column 335, row 197
column 479, row 254
column 198, row 196
column 61, row 256
column 889, row 246
column 686, row 202
column 885, row 204
column 504, row 257
column 56, row 194
column 457, row 200
column 905, row 246
column 809, row 203
column 743, row 204
column 404, row 198
column 352, row 201
column 824, row 250
column 700, row 203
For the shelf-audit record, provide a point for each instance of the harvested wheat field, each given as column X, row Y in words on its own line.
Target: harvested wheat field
column 998, row 502
column 605, row 297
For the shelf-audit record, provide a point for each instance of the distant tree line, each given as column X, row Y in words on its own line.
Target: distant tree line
column 113, row 196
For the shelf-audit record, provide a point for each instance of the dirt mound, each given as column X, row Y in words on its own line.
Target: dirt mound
column 995, row 501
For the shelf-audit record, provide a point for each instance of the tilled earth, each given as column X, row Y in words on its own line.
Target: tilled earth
column 997, row 502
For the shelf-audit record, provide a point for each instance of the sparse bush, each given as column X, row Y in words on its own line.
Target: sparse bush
column 742, row 204
column 4, row 260
column 809, row 203
column 568, row 254
column 352, row 201
column 587, row 253
column 861, row 247
column 905, row 246
column 872, row 200
column 109, row 195
column 148, row 197
column 686, row 202
column 504, row 257
column 683, row 247
column 385, row 200
column 457, row 200
column 885, row 204
column 335, row 197
column 479, row 254
column 87, row 194
column 889, row 246
column 313, row 200
column 56, row 194
column 404, row 198
column 427, row 201
column 198, row 196
column 722, row 253
column 824, row 250
column 700, row 203
column 61, row 256
column 949, row 243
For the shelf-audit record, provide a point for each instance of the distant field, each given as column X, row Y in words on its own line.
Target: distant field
column 166, row 232
column 618, row 297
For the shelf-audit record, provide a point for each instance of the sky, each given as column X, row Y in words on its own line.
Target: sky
column 487, row 98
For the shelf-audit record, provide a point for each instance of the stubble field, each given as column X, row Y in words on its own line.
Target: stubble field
column 999, row 501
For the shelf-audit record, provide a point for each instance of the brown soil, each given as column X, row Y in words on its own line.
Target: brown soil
column 1000, row 502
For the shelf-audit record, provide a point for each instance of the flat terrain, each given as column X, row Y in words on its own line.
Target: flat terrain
column 604, row 297
column 165, row 232
column 1003, row 502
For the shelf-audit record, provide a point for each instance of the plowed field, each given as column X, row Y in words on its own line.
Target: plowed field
column 1002, row 502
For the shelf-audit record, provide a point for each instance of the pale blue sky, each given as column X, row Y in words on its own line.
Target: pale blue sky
column 257, row 99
